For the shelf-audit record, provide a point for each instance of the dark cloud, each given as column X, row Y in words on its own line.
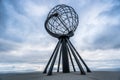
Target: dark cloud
column 113, row 11
column 7, row 41
column 3, row 17
column 109, row 38
column 7, row 46
column 17, row 5
column 104, row 34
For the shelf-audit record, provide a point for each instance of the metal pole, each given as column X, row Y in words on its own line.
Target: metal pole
column 65, row 61
column 71, row 58
column 59, row 60
column 78, row 62
column 88, row 70
column 53, row 61
column 57, row 46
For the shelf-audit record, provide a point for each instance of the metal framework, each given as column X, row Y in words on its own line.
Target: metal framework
column 61, row 23
column 66, row 52
column 61, row 20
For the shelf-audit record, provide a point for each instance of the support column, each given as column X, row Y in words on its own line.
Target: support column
column 56, row 48
column 87, row 68
column 65, row 61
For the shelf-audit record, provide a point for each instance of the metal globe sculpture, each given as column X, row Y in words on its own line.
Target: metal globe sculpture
column 62, row 20
column 61, row 23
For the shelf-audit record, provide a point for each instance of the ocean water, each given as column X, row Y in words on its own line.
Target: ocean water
column 32, row 67
column 20, row 67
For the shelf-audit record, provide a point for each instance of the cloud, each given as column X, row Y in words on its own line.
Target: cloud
column 109, row 37
column 23, row 37
column 102, row 59
column 99, row 28
column 19, row 29
column 2, row 18
column 6, row 46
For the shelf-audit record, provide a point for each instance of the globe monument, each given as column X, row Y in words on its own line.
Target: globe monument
column 61, row 23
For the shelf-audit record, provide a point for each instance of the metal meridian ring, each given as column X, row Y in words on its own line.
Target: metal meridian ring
column 62, row 20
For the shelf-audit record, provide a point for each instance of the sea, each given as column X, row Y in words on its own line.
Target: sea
column 39, row 67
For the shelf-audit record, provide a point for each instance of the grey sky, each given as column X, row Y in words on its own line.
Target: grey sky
column 23, row 37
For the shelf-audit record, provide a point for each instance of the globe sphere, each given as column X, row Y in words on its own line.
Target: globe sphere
column 62, row 20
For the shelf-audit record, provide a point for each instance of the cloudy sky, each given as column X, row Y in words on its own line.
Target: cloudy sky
column 23, row 38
